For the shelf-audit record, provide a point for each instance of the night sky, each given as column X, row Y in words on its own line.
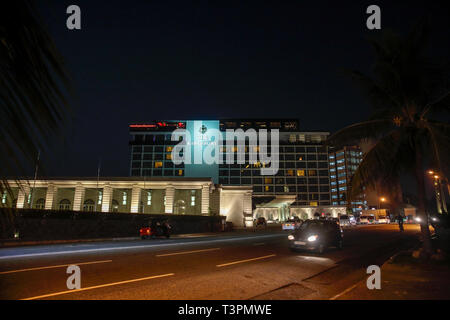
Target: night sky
column 136, row 61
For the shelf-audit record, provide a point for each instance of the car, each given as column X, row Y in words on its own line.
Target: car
column 291, row 223
column 345, row 220
column 316, row 235
column 260, row 222
column 155, row 228
column 364, row 220
column 383, row 219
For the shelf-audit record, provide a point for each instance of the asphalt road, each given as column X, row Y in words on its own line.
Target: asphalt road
column 227, row 266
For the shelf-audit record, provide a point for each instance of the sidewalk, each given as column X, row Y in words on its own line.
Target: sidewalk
column 406, row 278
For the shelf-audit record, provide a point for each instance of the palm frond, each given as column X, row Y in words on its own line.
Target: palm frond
column 366, row 130
column 34, row 86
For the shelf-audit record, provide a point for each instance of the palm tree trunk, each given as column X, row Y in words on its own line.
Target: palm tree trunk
column 425, row 231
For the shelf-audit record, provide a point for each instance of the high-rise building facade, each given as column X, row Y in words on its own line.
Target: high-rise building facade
column 343, row 164
column 303, row 159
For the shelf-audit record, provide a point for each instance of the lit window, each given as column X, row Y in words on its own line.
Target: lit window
column 124, row 198
column 192, row 201
column 313, row 203
column 312, row 173
column 4, row 197
column 169, row 156
column 164, row 200
column 266, row 188
column 158, row 164
column 169, row 149
column 289, row 172
column 180, row 172
column 100, row 197
column 300, row 173
column 149, row 198
column 267, row 180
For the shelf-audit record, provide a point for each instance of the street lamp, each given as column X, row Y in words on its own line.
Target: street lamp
column 438, row 190
column 382, row 199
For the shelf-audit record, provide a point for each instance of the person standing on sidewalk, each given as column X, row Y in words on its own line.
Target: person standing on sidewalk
column 400, row 222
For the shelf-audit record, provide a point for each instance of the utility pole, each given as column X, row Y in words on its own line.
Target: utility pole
column 35, row 177
column 98, row 178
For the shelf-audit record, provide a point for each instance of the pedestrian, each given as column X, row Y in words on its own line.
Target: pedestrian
column 400, row 222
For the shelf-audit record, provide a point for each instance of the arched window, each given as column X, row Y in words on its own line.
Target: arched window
column 115, row 206
column 88, row 205
column 40, row 204
column 64, row 204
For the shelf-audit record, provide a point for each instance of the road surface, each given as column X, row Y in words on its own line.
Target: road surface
column 228, row 266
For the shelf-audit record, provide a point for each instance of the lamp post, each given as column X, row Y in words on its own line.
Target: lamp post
column 382, row 199
column 438, row 178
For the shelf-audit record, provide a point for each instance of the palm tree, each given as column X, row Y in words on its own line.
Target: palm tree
column 407, row 90
column 33, row 88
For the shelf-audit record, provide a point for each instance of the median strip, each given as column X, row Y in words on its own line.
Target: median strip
column 52, row 267
column 186, row 252
column 246, row 260
column 99, row 286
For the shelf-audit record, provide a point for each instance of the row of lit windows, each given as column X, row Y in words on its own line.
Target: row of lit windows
column 282, row 148
column 157, row 172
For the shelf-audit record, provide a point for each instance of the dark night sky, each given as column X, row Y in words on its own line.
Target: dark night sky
column 136, row 61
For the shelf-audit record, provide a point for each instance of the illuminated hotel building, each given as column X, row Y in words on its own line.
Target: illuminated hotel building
column 302, row 181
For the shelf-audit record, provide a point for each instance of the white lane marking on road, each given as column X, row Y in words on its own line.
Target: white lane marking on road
column 134, row 247
column 246, row 260
column 186, row 252
column 57, row 266
column 345, row 291
column 99, row 286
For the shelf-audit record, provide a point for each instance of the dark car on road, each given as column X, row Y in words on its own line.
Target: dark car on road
column 316, row 235
column 155, row 228
column 260, row 222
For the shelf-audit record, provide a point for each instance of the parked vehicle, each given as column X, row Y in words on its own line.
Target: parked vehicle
column 383, row 219
column 291, row 223
column 316, row 235
column 155, row 228
column 364, row 220
column 347, row 220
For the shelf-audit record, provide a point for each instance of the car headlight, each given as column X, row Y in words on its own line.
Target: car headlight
column 290, row 237
column 313, row 238
column 417, row 219
column 434, row 219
